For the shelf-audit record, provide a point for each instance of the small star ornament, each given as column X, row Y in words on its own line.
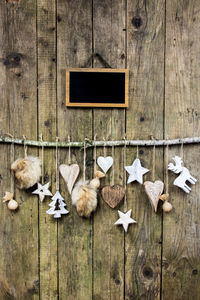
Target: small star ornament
column 136, row 171
column 125, row 219
column 42, row 191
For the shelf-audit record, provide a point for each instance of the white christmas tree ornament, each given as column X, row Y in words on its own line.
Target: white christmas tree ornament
column 57, row 200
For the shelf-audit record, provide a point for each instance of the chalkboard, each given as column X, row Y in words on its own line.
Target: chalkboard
column 97, row 87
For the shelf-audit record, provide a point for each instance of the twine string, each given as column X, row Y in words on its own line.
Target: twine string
column 137, row 151
column 25, row 147
column 41, row 140
column 181, row 150
column 104, row 148
column 166, row 169
column 95, row 154
column 125, row 198
column 113, row 168
column 84, row 161
column 69, row 153
column 153, row 162
column 12, row 158
column 57, row 161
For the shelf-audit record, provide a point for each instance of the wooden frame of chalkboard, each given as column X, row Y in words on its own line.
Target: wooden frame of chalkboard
column 83, row 83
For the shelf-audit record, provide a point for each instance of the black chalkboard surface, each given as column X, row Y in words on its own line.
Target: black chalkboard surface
column 97, row 87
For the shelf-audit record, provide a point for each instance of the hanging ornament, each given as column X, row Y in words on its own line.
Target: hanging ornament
column 57, row 205
column 125, row 219
column 27, row 170
column 84, row 194
column 184, row 176
column 136, row 171
column 154, row 191
column 167, row 207
column 69, row 172
column 12, row 204
column 115, row 193
column 42, row 189
column 106, row 162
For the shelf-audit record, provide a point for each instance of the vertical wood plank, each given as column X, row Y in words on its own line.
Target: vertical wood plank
column 74, row 21
column 145, row 39
column 18, row 116
column 46, row 41
column 109, row 25
column 181, row 227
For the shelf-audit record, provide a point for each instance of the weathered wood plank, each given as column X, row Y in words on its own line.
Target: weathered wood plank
column 19, row 230
column 181, row 243
column 109, row 25
column 145, row 40
column 74, row 23
column 46, row 41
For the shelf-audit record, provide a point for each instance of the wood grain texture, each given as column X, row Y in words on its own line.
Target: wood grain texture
column 145, row 60
column 109, row 41
column 74, row 24
column 46, row 41
column 181, row 227
column 19, row 230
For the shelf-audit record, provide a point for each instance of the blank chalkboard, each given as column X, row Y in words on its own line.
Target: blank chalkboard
column 97, row 87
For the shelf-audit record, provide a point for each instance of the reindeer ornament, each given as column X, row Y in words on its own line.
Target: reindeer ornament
column 184, row 176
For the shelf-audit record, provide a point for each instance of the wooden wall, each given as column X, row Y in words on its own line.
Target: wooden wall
column 73, row 258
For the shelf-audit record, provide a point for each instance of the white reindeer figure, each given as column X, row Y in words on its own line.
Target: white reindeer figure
column 184, row 176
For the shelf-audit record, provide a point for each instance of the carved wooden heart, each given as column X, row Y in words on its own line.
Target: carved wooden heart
column 70, row 174
column 113, row 195
column 105, row 163
column 153, row 191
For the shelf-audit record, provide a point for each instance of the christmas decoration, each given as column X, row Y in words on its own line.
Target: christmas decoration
column 12, row 204
column 70, row 174
column 184, row 176
column 27, row 171
column 105, row 163
column 84, row 195
column 42, row 191
column 136, row 171
column 154, row 191
column 113, row 195
column 167, row 207
column 125, row 219
column 58, row 200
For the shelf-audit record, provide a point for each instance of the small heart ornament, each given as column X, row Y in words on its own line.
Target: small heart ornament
column 70, row 174
column 154, row 191
column 113, row 195
column 105, row 163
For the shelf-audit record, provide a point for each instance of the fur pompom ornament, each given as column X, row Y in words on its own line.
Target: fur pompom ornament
column 84, row 195
column 27, row 171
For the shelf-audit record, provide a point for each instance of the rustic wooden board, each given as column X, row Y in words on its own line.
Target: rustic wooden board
column 46, row 41
column 181, row 243
column 18, row 231
column 144, row 118
column 109, row 24
column 74, row 25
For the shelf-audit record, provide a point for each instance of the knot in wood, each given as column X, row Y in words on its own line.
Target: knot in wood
column 137, row 21
column 13, row 60
column 148, row 272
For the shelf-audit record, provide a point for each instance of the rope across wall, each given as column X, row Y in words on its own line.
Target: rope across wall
column 91, row 143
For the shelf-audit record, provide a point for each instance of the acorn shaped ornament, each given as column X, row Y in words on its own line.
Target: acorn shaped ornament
column 12, row 204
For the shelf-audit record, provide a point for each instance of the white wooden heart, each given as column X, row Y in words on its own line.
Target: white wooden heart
column 153, row 191
column 70, row 174
column 105, row 162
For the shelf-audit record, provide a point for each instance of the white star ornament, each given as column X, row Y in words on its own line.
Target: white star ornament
column 42, row 191
column 136, row 171
column 125, row 219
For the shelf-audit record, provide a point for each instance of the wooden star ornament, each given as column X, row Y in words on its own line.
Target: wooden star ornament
column 42, row 191
column 125, row 219
column 136, row 171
